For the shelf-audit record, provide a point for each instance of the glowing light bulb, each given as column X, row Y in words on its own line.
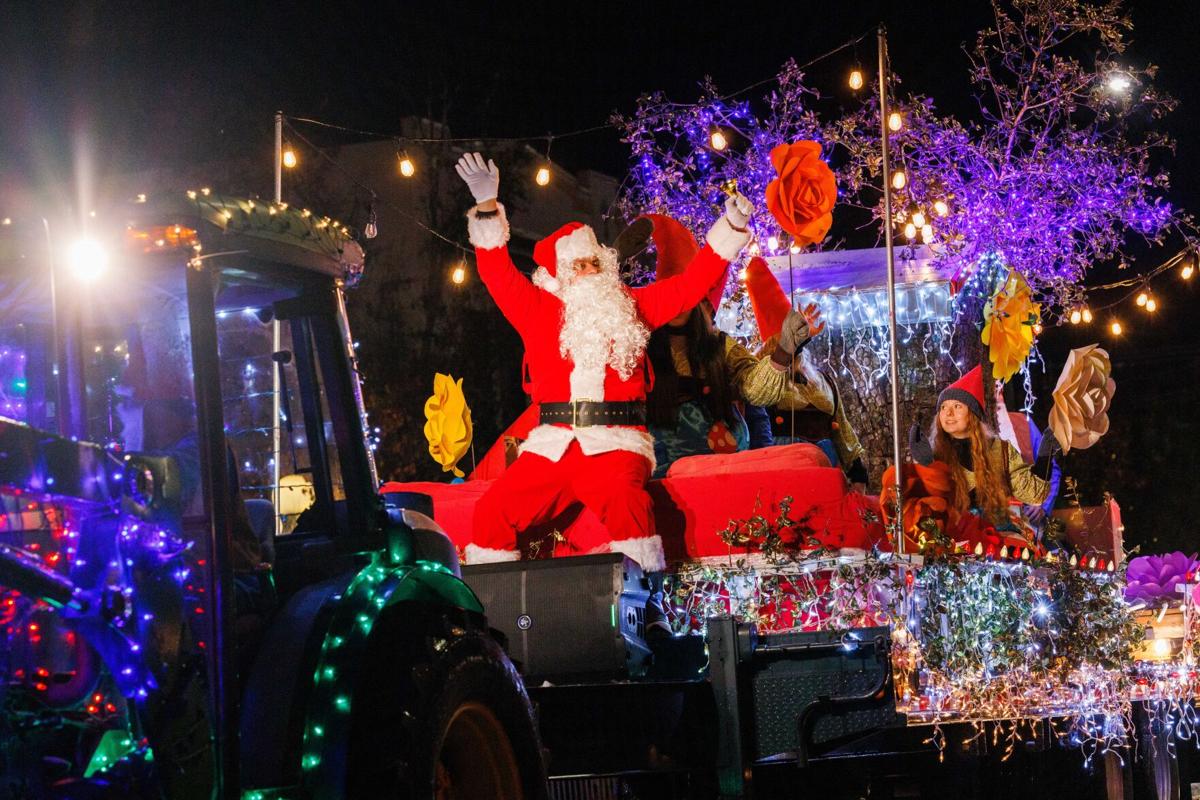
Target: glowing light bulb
column 742, row 274
column 1037, row 329
column 910, row 231
column 918, row 219
column 856, row 79
column 1116, row 329
column 1162, row 648
column 459, row 275
column 899, row 179
column 290, row 159
column 754, row 249
column 940, row 208
column 407, row 167
column 87, row 260
column 895, row 121
column 1151, row 305
column 6, row 221
column 1142, row 298
column 1076, row 316
column 1186, row 272
column 1119, row 82
column 1087, row 315
column 794, row 249
column 718, row 141
column 543, row 176
column 772, row 242
column 926, row 234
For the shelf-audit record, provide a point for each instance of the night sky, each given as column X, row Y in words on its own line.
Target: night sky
column 120, row 86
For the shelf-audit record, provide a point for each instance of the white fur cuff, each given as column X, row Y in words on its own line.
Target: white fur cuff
column 647, row 551
column 474, row 554
column 725, row 241
column 487, row 233
column 542, row 279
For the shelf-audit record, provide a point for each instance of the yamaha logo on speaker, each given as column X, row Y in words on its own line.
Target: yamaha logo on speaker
column 524, row 622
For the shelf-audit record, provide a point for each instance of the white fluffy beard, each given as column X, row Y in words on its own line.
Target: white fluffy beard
column 600, row 322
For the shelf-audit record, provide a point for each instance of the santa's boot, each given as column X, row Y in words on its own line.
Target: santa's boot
column 474, row 554
column 647, row 551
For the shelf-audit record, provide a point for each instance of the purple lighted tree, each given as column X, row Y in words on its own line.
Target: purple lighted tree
column 1054, row 176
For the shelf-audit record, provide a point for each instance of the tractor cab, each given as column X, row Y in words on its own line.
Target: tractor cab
column 197, row 575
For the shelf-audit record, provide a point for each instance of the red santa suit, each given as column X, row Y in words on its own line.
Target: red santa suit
column 605, row 467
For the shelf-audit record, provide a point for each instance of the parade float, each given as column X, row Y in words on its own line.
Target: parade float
column 998, row 636
column 803, row 620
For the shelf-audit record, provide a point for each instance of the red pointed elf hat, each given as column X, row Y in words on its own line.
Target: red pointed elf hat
column 967, row 390
column 675, row 245
column 767, row 298
column 676, row 248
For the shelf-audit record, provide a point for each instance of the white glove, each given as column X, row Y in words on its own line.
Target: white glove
column 482, row 179
column 738, row 210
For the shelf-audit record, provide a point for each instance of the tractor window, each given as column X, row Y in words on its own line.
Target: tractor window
column 275, row 412
column 122, row 376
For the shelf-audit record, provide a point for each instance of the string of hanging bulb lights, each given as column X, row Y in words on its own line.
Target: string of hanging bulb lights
column 918, row 225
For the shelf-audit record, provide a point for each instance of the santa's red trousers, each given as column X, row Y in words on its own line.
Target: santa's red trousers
column 535, row 489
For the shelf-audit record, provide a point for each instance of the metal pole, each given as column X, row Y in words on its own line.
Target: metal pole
column 894, row 353
column 276, row 345
column 278, row 156
column 62, row 405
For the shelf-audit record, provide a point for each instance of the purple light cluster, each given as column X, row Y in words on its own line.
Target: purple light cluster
column 677, row 172
column 1055, row 176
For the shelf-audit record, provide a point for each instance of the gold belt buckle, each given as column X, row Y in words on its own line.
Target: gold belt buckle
column 575, row 409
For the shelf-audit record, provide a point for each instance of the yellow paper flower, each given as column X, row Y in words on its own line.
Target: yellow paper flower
column 1081, row 398
column 448, row 423
column 1008, row 330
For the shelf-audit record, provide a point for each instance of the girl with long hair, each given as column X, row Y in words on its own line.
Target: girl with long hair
column 987, row 470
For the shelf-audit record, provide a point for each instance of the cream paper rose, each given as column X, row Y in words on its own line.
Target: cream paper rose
column 1082, row 397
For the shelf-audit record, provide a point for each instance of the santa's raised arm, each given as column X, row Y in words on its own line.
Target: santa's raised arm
column 585, row 337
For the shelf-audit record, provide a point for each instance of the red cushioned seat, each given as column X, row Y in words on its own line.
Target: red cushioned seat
column 696, row 501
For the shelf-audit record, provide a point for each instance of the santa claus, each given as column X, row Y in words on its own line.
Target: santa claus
column 585, row 338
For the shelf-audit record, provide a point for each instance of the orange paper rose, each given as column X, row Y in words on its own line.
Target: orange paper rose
column 803, row 196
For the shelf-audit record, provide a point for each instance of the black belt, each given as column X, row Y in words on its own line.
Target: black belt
column 583, row 413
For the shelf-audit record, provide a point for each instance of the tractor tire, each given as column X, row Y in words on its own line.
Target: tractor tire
column 454, row 724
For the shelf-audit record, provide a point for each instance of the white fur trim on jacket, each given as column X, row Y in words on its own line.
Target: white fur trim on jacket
column 647, row 551
column 727, row 242
column 551, row 441
column 474, row 554
column 587, row 382
column 487, row 233
column 542, row 279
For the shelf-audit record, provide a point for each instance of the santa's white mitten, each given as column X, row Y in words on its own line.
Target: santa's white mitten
column 482, row 179
column 738, row 210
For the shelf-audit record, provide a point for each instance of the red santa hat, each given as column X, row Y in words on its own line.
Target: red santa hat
column 967, row 390
column 570, row 242
column 676, row 248
column 767, row 298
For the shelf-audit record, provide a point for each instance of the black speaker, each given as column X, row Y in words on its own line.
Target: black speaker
column 817, row 687
column 578, row 617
